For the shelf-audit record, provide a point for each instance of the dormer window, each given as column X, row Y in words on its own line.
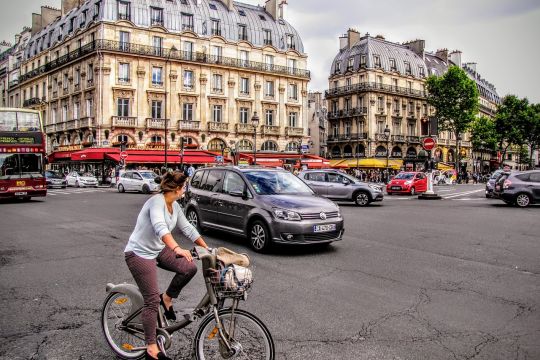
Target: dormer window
column 363, row 60
column 267, row 37
column 421, row 71
column 187, row 21
column 215, row 30
column 184, row 2
column 393, row 66
column 338, row 67
column 377, row 61
column 241, row 13
column 213, row 6
column 124, row 10
column 350, row 64
column 156, row 16
column 242, row 32
column 290, row 42
column 262, row 17
column 408, row 68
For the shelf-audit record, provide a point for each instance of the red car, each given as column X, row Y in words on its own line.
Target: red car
column 407, row 183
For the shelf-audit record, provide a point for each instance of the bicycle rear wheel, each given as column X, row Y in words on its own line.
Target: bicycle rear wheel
column 116, row 308
column 245, row 332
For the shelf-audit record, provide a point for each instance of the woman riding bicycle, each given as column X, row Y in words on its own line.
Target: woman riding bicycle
column 152, row 245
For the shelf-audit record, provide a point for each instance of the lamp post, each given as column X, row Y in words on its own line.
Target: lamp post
column 357, row 140
column 387, row 135
column 255, row 123
column 172, row 49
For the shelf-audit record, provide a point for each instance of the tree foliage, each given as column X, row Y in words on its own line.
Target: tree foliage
column 484, row 133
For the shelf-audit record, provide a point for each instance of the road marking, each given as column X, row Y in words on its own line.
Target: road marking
column 462, row 194
column 468, row 199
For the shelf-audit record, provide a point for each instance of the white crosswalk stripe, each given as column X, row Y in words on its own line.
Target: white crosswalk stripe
column 75, row 191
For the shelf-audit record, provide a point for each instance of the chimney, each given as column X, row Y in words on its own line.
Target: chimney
column 472, row 66
column 417, row 46
column 455, row 57
column 68, row 5
column 17, row 38
column 272, row 7
column 49, row 15
column 442, row 54
column 353, row 36
column 229, row 4
column 343, row 42
column 380, row 37
column 36, row 23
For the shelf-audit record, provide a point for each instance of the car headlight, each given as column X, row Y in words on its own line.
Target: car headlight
column 287, row 215
column 375, row 187
column 409, row 182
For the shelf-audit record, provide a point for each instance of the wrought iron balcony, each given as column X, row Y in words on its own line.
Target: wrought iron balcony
column 356, row 111
column 270, row 130
column 31, row 101
column 351, row 137
column 244, row 128
column 216, row 126
column 398, row 138
column 373, row 86
column 153, row 123
column 124, row 121
column 413, row 139
column 294, row 131
column 189, row 125
column 138, row 49
column 381, row 137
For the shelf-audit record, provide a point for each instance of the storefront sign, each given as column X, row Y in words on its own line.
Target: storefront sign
column 18, row 139
column 69, row 148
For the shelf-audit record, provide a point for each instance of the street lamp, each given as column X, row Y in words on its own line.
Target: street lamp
column 387, row 135
column 357, row 140
column 255, row 123
column 171, row 51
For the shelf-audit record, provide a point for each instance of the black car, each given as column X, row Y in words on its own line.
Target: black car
column 490, row 184
column 55, row 180
column 519, row 188
column 265, row 205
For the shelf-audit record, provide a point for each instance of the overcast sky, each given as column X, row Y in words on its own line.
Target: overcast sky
column 501, row 36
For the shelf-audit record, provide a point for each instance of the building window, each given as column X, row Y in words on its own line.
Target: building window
column 292, row 147
column 156, row 139
column 269, row 89
column 123, row 107
column 53, row 116
column 217, row 113
column 244, row 115
column 244, row 58
column 290, row 42
column 291, row 64
column 157, row 76
column 408, row 68
column 188, row 50
column 156, row 109
column 77, row 79
column 393, row 64
column 156, row 16
column 411, row 108
column 245, row 145
column 89, row 107
column 123, row 72
column 421, row 71
column 187, row 112
column 269, row 117
column 269, row 62
column 215, row 29
column 76, row 107
column 124, row 10
column 187, row 21
column 65, row 113
column 124, row 41
column 293, row 91
column 242, row 32
column 338, row 67
column 293, row 116
column 188, row 79
column 90, row 72
column 158, row 45
column 241, row 12
column 411, row 129
column 217, row 81
column 244, row 86
column 380, row 104
column 269, row 146
column 363, row 60
column 377, row 61
column 267, row 39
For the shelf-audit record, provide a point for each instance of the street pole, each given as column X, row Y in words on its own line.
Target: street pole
column 255, row 123
column 357, row 141
column 167, row 93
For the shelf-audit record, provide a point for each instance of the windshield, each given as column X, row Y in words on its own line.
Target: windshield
column 85, row 174
column 19, row 121
column 404, row 176
column 148, row 175
column 21, row 166
column 276, row 183
column 53, row 175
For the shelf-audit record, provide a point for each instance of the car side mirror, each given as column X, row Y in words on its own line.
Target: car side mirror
column 237, row 193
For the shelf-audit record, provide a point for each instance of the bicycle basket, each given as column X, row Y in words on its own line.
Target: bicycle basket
column 231, row 281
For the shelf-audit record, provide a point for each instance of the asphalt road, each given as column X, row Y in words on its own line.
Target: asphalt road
column 451, row 279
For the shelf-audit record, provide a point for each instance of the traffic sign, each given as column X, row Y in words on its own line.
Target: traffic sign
column 219, row 159
column 123, row 155
column 428, row 143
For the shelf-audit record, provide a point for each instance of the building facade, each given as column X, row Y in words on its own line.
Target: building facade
column 141, row 72
column 317, row 124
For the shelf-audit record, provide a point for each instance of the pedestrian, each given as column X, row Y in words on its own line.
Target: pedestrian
column 190, row 171
column 151, row 245
column 117, row 173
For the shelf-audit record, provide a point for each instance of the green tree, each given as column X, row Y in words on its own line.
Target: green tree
column 530, row 127
column 511, row 116
column 483, row 133
column 455, row 99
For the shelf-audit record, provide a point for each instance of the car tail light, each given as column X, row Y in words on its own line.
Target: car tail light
column 507, row 184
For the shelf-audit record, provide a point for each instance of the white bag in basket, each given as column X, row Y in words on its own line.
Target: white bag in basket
column 236, row 276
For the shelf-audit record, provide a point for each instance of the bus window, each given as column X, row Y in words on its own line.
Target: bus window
column 28, row 121
column 8, row 121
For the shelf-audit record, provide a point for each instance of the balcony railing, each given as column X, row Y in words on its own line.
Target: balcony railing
column 87, row 122
column 32, row 101
column 465, row 143
column 189, row 125
column 270, row 130
column 244, row 129
column 361, row 110
column 50, row 128
column 398, row 138
column 218, row 126
column 381, row 137
column 373, row 86
column 138, row 49
column 72, row 124
column 351, row 137
column 124, row 121
column 294, row 131
column 413, row 139
column 153, row 123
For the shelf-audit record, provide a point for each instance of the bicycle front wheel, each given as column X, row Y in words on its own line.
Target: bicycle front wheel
column 116, row 308
column 248, row 336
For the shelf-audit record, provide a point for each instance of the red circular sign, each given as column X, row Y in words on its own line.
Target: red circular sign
column 428, row 143
column 123, row 155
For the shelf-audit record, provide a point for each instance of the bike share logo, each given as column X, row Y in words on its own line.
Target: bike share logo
column 323, row 216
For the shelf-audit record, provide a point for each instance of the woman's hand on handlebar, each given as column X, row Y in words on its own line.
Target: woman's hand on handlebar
column 183, row 253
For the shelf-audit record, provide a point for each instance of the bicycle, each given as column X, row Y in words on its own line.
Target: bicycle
column 223, row 333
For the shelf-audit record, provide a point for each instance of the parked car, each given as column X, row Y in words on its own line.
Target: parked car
column 55, row 180
column 407, row 183
column 81, row 179
column 490, row 184
column 519, row 188
column 138, row 180
column 335, row 185
column 265, row 205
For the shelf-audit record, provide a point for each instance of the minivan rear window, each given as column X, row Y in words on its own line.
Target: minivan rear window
column 213, row 181
column 196, row 181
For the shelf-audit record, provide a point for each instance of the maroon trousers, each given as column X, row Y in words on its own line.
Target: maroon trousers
column 144, row 272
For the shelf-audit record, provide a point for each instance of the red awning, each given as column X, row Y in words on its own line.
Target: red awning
column 160, row 159
column 317, row 165
column 92, row 154
column 59, row 155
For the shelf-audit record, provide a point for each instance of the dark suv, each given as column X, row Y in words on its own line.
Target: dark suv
column 519, row 188
column 265, row 205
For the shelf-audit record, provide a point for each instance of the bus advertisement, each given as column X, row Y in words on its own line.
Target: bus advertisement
column 22, row 154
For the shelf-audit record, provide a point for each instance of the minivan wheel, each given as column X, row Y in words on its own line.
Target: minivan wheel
column 146, row 189
column 523, row 200
column 361, row 198
column 259, row 236
column 193, row 218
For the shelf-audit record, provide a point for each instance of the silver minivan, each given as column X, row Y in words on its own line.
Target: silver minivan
column 338, row 186
column 265, row 205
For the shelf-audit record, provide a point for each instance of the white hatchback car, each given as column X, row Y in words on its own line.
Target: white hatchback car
column 80, row 179
column 138, row 180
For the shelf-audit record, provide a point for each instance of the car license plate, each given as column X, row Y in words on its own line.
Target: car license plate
column 324, row 228
column 396, row 187
column 21, row 193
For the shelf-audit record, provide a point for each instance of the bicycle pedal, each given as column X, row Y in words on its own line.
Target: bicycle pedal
column 186, row 314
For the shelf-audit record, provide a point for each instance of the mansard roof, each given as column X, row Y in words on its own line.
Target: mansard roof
column 486, row 89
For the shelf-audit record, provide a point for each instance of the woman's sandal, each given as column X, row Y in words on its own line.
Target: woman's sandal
column 169, row 313
column 160, row 356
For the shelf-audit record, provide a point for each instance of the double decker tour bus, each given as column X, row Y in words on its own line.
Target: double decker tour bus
column 22, row 154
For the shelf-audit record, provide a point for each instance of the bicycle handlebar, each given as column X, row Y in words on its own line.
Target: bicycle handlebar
column 198, row 251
